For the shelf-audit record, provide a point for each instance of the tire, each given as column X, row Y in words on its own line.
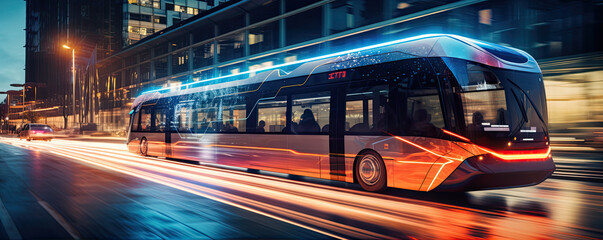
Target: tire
column 370, row 172
column 144, row 147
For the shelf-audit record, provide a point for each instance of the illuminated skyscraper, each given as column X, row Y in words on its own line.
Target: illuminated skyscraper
column 144, row 17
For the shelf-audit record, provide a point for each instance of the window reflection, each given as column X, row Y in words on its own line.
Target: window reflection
column 231, row 47
column 263, row 38
column 183, row 117
column 203, row 55
column 479, row 78
column 206, row 117
column 180, row 62
column 161, row 67
column 307, row 25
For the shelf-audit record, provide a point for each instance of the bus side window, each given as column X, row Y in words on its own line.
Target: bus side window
column 311, row 112
column 182, row 121
column 135, row 120
column 234, row 115
column 424, row 114
column 367, row 110
column 272, row 115
column 160, row 119
column 145, row 119
column 206, row 116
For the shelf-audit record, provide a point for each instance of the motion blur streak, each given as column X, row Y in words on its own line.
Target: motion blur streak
column 333, row 211
column 426, row 150
column 456, row 135
column 269, row 149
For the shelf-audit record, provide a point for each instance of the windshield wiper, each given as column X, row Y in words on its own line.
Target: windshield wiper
column 530, row 100
column 524, row 114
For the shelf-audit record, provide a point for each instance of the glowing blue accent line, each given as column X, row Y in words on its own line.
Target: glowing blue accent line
column 132, row 111
column 305, row 60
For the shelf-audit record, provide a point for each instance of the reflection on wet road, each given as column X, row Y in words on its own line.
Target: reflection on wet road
column 308, row 208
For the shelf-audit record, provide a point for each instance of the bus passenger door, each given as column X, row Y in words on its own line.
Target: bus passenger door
column 168, row 131
column 308, row 140
column 336, row 161
column 156, row 138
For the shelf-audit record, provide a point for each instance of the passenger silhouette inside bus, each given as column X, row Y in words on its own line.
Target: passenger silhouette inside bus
column 360, row 127
column 476, row 122
column 307, row 123
column 228, row 127
column 422, row 125
column 476, row 127
column 261, row 126
column 325, row 128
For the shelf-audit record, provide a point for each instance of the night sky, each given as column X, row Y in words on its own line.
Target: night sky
column 12, row 37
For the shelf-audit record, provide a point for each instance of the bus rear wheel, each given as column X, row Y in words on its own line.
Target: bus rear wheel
column 144, row 146
column 370, row 172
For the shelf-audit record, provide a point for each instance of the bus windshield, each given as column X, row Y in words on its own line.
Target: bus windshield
column 502, row 109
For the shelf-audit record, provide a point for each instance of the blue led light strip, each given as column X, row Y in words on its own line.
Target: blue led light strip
column 302, row 61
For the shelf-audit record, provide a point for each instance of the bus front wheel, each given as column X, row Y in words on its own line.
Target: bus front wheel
column 370, row 172
column 144, row 146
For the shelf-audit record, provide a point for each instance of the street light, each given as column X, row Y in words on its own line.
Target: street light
column 73, row 77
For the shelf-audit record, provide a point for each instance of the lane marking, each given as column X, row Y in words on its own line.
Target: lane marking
column 7, row 222
column 57, row 217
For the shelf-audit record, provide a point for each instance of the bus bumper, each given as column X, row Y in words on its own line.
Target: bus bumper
column 493, row 173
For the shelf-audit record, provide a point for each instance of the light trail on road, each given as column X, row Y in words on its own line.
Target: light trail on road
column 334, row 211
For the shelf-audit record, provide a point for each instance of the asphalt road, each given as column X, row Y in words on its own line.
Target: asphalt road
column 87, row 189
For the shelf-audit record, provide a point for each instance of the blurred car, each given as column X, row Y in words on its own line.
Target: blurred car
column 36, row 131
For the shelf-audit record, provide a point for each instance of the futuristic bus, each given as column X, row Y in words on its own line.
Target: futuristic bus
column 432, row 112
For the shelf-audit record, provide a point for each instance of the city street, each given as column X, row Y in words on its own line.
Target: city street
column 86, row 188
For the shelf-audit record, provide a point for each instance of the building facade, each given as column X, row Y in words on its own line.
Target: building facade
column 87, row 27
column 93, row 30
column 142, row 18
column 244, row 35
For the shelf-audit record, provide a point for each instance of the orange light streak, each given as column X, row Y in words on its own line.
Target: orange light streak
column 437, row 214
column 456, row 135
column 425, row 149
column 270, row 149
column 165, row 169
column 174, row 184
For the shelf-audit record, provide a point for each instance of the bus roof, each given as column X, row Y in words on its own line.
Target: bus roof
column 430, row 45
